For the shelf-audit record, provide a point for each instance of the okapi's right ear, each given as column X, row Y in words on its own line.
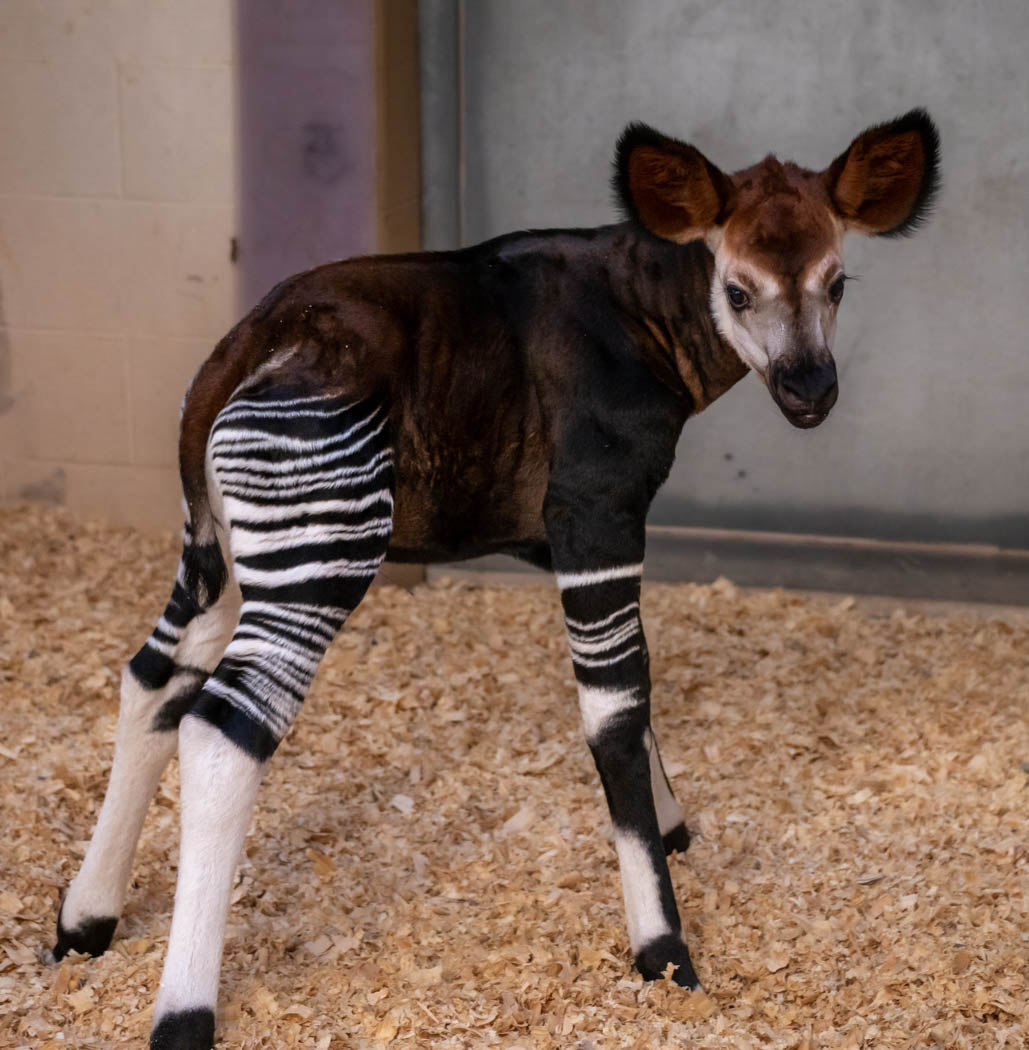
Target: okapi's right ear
column 885, row 183
column 668, row 186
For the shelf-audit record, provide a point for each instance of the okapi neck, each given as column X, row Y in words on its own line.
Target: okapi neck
column 663, row 291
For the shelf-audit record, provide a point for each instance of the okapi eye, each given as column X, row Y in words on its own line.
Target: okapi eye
column 738, row 298
column 836, row 288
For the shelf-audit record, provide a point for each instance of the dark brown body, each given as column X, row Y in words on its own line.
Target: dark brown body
column 490, row 358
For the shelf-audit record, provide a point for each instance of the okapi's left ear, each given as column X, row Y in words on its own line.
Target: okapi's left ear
column 668, row 186
column 885, row 183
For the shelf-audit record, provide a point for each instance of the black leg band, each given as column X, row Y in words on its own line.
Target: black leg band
column 676, row 841
column 184, row 1030
column 653, row 960
column 92, row 937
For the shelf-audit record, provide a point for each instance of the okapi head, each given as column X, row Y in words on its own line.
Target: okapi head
column 776, row 232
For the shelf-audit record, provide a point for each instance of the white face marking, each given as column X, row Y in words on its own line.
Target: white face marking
column 823, row 273
column 751, row 353
column 768, row 329
column 768, row 286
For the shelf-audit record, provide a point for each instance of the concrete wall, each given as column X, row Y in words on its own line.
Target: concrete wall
column 164, row 162
column 930, row 435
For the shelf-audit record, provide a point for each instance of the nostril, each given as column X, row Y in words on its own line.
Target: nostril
column 796, row 387
column 810, row 385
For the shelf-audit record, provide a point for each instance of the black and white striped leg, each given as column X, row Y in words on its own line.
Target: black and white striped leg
column 162, row 679
column 609, row 653
column 306, row 485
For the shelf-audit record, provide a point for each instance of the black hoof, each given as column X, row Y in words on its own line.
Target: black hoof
column 93, row 937
column 669, row 948
column 184, row 1030
column 676, row 841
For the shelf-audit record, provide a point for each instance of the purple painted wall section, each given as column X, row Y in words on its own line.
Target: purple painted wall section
column 307, row 142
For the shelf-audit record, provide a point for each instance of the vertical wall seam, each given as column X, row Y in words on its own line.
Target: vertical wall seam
column 119, row 106
column 462, row 146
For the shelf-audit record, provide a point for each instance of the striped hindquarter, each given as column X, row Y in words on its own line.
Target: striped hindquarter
column 306, row 487
column 609, row 655
column 302, row 488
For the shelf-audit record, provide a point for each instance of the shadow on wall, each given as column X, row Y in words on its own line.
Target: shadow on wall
column 52, row 489
column 6, row 393
column 307, row 117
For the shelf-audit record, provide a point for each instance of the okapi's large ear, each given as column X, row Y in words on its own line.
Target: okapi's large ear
column 668, row 186
column 885, row 183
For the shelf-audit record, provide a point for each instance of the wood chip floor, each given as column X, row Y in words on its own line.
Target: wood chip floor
column 430, row 865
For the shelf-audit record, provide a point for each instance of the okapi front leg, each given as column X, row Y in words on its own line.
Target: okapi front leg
column 609, row 653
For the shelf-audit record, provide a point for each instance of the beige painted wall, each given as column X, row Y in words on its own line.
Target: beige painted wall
column 118, row 206
column 117, row 211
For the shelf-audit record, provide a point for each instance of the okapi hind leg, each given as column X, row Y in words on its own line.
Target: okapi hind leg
column 307, row 489
column 161, row 680
column 670, row 820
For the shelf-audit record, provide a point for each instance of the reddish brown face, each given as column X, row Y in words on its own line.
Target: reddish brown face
column 776, row 232
column 778, row 283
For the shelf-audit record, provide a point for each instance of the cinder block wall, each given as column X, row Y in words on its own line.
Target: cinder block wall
column 119, row 212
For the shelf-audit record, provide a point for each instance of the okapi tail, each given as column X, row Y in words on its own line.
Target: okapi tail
column 203, row 562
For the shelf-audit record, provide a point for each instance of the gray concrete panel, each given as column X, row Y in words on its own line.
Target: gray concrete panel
column 930, row 436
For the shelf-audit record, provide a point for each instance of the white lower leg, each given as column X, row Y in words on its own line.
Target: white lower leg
column 641, row 888
column 669, row 812
column 219, row 786
column 140, row 756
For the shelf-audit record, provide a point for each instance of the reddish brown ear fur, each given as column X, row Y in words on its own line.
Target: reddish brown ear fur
column 668, row 186
column 885, row 182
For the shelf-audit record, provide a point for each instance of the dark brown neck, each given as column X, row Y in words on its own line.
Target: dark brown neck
column 663, row 291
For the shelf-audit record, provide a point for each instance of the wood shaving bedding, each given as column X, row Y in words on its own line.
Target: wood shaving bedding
column 430, row 862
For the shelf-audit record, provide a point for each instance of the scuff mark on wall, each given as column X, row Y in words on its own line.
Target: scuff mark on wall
column 53, row 490
column 6, row 395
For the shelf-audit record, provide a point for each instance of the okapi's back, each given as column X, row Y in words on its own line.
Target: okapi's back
column 431, row 336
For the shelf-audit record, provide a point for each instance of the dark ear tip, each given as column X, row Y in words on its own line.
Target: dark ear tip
column 915, row 120
column 634, row 135
column 918, row 119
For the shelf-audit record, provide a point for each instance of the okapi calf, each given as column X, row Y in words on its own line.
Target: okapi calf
column 524, row 395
